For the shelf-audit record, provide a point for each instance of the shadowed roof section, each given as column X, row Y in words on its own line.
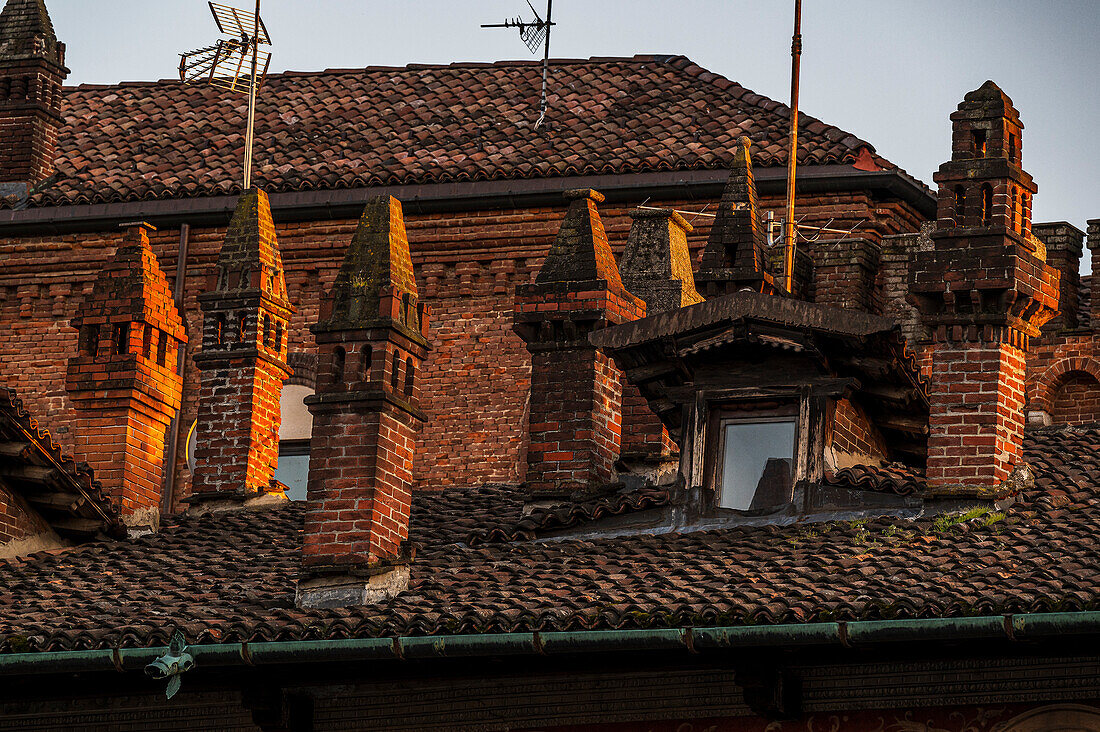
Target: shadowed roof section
column 229, row 577
column 424, row 124
column 765, row 308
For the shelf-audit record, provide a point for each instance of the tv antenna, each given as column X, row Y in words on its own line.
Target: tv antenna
column 534, row 34
column 235, row 64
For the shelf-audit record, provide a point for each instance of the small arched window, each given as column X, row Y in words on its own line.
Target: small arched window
column 395, row 371
column 162, row 348
column 242, row 328
column 90, row 338
column 978, row 138
column 147, row 342
column 121, row 338
column 1014, row 210
column 339, row 360
column 410, row 376
column 365, row 357
column 219, row 330
column 960, row 203
column 278, row 337
column 987, row 204
column 267, row 330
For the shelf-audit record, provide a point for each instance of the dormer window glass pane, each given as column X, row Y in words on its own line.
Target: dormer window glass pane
column 756, row 464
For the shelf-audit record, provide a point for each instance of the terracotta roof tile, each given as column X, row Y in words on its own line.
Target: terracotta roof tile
column 347, row 128
column 230, row 577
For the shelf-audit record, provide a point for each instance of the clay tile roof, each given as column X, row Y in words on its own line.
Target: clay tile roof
column 65, row 493
column 422, row 124
column 230, row 577
column 896, row 478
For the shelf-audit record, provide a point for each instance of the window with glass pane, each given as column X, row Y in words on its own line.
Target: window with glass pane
column 757, row 464
column 293, row 470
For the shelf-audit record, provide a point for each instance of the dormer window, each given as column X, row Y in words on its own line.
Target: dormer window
column 755, row 468
column 978, row 137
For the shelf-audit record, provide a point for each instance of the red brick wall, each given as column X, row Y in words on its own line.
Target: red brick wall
column 1064, row 377
column 17, row 520
column 976, row 416
column 854, row 434
column 1076, row 400
column 475, row 380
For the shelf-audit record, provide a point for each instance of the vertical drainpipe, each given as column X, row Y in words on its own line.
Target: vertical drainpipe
column 167, row 495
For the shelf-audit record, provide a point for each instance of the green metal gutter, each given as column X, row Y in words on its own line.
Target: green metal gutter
column 1028, row 627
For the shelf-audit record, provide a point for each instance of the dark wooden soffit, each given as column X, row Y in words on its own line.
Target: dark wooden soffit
column 447, row 197
column 65, row 494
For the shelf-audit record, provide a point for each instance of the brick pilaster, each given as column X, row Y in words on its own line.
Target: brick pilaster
column 984, row 290
column 1064, row 244
column 575, row 414
column 243, row 360
column 123, row 382
column 372, row 340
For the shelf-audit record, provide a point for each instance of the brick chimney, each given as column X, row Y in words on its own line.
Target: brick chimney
column 372, row 338
column 32, row 70
column 735, row 257
column 576, row 397
column 1064, row 244
column 984, row 290
column 655, row 266
column 845, row 272
column 242, row 363
column 123, row 382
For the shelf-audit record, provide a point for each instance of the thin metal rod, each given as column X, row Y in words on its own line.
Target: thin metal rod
column 168, row 495
column 250, row 134
column 545, row 63
column 792, row 163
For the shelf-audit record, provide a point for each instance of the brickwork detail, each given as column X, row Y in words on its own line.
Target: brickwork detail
column 984, row 290
column 845, row 271
column 18, row 520
column 475, row 381
column 32, row 71
column 854, row 435
column 372, row 337
column 123, row 381
column 575, row 413
column 243, row 360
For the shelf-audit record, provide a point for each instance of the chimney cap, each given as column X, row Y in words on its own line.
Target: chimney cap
column 577, row 194
column 662, row 213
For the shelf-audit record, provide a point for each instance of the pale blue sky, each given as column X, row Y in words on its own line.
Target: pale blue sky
column 889, row 71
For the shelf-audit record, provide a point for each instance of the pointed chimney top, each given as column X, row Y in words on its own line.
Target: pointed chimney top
column 734, row 256
column 26, row 32
column 250, row 258
column 656, row 264
column 581, row 252
column 377, row 265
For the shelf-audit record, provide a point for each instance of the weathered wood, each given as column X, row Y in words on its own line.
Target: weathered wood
column 909, row 425
column 77, row 526
column 28, row 473
column 13, row 449
column 57, row 501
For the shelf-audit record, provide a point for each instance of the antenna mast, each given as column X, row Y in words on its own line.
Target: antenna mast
column 223, row 64
column 533, row 34
column 790, row 230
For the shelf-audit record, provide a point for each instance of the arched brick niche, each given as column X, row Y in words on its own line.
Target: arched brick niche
column 1056, row 718
column 305, row 369
column 1069, row 391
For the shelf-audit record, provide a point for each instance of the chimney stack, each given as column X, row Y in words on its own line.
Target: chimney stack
column 242, row 363
column 735, row 257
column 576, row 398
column 372, row 338
column 1093, row 243
column 984, row 290
column 656, row 266
column 32, row 70
column 123, row 382
column 1064, row 244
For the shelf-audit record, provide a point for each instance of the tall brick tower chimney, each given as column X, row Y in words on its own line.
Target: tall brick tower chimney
column 735, row 257
column 372, row 338
column 576, row 397
column 32, row 70
column 984, row 291
column 123, row 382
column 243, row 361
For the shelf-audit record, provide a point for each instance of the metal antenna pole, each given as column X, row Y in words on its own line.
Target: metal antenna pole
column 250, row 134
column 545, row 62
column 792, row 164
